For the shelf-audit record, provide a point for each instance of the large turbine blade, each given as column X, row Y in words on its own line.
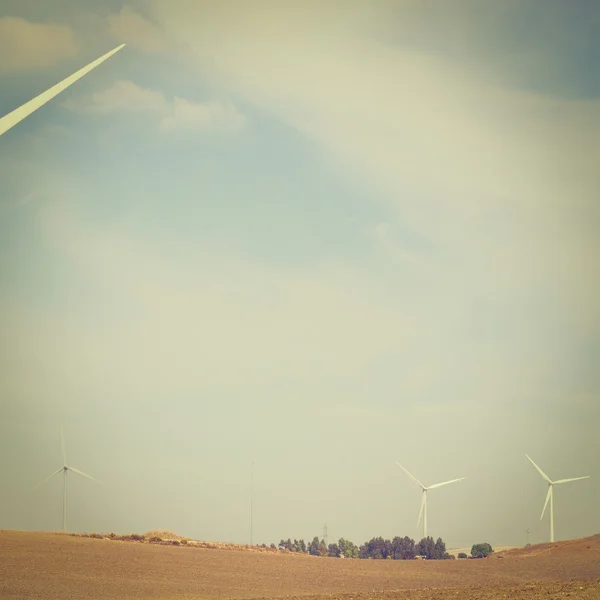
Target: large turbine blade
column 437, row 485
column 62, row 445
column 572, row 479
column 546, row 503
column 48, row 478
column 17, row 115
column 85, row 475
column 411, row 476
column 540, row 471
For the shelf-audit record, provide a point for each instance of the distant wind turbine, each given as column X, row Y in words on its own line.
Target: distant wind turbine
column 423, row 511
column 17, row 115
column 64, row 470
column 550, row 495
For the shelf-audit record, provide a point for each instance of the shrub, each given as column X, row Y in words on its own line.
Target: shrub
column 184, row 541
column 155, row 539
column 462, row 555
column 273, row 547
column 481, row 550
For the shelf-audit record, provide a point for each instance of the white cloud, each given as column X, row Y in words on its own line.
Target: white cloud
column 178, row 114
column 187, row 115
column 26, row 45
column 208, row 319
column 496, row 178
column 133, row 29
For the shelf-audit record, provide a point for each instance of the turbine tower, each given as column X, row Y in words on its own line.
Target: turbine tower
column 550, row 495
column 423, row 511
column 64, row 470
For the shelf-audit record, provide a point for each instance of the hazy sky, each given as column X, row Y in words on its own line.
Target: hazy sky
column 320, row 236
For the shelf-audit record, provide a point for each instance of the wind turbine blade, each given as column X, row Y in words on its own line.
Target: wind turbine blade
column 62, row 445
column 422, row 507
column 572, row 479
column 540, row 471
column 16, row 116
column 48, row 478
column 85, row 475
column 411, row 476
column 546, row 503
column 437, row 485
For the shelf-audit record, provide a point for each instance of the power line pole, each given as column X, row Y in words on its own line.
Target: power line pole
column 252, row 505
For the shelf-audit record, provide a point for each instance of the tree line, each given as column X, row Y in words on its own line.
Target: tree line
column 377, row 548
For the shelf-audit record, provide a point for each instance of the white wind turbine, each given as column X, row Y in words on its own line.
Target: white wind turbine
column 423, row 511
column 64, row 470
column 550, row 495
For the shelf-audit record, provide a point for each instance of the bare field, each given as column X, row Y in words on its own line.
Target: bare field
column 50, row 566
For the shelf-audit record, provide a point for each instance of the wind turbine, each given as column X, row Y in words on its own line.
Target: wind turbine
column 550, row 495
column 64, row 470
column 423, row 511
column 20, row 113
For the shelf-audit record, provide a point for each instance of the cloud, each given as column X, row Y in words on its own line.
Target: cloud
column 133, row 29
column 490, row 175
column 26, row 45
column 245, row 323
column 178, row 114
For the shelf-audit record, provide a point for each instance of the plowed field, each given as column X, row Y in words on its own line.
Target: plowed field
column 50, row 566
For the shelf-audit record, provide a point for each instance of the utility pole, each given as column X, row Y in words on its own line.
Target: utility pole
column 252, row 504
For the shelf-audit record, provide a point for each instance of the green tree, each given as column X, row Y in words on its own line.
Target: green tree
column 313, row 547
column 481, row 550
column 347, row 548
column 432, row 550
column 333, row 550
column 322, row 548
column 440, row 549
column 403, row 548
column 301, row 546
column 376, row 548
column 462, row 555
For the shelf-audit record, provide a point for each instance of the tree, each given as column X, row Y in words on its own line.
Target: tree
column 322, row 548
column 313, row 547
column 334, row 550
column 462, row 555
column 432, row 550
column 347, row 548
column 426, row 548
column 440, row 549
column 481, row 550
column 376, row 548
column 403, row 548
column 301, row 546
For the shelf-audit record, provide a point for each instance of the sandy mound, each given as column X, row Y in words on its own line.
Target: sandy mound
column 571, row 547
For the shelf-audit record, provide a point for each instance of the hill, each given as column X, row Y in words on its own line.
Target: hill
column 45, row 565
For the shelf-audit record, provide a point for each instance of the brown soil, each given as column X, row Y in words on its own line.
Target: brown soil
column 43, row 565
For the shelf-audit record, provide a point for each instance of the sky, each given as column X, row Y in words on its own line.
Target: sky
column 316, row 237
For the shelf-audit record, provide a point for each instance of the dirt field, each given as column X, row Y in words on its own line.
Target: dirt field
column 40, row 566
